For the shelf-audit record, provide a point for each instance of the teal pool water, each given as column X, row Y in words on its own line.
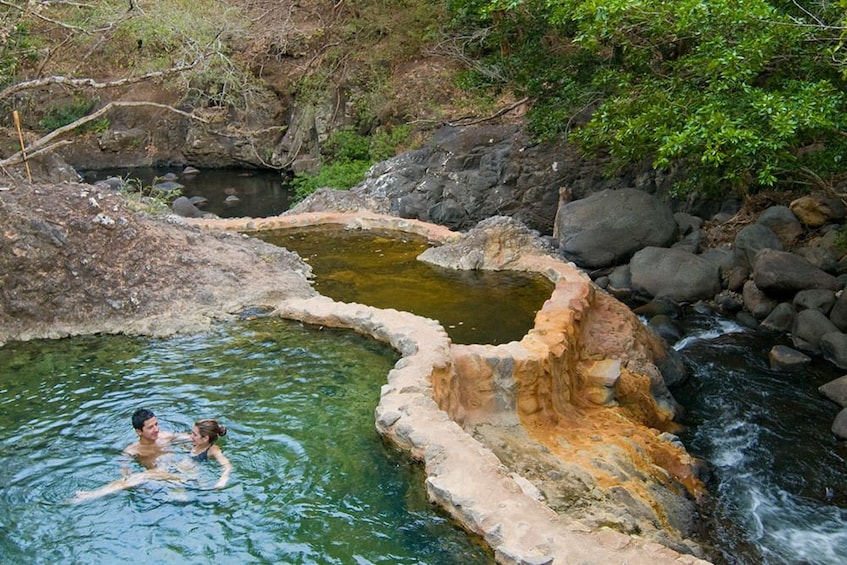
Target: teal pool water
column 382, row 270
column 312, row 480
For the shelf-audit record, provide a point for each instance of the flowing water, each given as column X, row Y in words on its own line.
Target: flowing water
column 382, row 270
column 259, row 193
column 778, row 475
column 312, row 480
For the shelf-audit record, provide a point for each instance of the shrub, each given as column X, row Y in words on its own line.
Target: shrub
column 60, row 116
column 348, row 156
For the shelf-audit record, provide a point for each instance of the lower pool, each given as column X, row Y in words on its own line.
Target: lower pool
column 312, row 481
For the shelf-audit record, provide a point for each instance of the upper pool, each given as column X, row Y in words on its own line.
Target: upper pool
column 382, row 270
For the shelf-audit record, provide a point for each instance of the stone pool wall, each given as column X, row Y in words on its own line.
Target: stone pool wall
column 512, row 437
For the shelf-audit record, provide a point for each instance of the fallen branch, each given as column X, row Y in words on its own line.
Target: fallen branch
column 470, row 120
column 42, row 144
column 88, row 82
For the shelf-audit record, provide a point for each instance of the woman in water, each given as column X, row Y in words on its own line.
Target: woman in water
column 203, row 437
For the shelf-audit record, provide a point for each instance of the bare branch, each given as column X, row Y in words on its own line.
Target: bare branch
column 35, row 13
column 469, row 120
column 39, row 145
column 88, row 82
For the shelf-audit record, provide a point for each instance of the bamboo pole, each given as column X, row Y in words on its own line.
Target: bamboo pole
column 23, row 148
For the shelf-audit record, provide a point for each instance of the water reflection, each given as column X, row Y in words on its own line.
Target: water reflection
column 382, row 270
column 257, row 194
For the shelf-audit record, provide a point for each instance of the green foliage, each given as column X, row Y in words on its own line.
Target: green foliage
column 59, row 116
column 16, row 47
column 347, row 157
column 339, row 176
column 346, row 145
column 386, row 141
column 743, row 94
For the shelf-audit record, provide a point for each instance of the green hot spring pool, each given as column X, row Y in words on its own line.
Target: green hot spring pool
column 312, row 480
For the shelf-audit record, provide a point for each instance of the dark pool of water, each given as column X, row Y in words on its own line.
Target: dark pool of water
column 260, row 193
column 312, row 483
column 382, row 270
column 778, row 475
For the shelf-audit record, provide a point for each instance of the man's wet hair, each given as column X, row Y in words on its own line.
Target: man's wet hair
column 140, row 416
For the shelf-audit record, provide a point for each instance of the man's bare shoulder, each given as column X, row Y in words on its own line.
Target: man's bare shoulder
column 132, row 449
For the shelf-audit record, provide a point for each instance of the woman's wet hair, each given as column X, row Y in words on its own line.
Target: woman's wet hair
column 210, row 428
column 140, row 416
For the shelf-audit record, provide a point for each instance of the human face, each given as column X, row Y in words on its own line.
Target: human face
column 196, row 438
column 149, row 433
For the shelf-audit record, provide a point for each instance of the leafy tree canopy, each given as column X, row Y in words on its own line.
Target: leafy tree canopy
column 743, row 94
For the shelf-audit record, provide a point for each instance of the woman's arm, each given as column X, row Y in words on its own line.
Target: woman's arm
column 218, row 455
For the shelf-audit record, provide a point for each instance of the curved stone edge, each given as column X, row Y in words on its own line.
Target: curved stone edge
column 464, row 477
column 360, row 220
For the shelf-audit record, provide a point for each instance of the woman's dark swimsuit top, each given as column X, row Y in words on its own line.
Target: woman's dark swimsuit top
column 202, row 456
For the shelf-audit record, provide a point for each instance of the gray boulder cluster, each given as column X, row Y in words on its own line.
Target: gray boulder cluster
column 785, row 272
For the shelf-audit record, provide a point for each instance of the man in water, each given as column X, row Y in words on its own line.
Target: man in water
column 152, row 442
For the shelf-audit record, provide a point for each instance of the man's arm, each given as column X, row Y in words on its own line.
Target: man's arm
column 129, row 453
column 170, row 437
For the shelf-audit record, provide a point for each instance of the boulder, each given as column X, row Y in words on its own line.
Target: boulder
column 747, row 320
column 691, row 242
column 817, row 298
column 183, row 206
column 782, row 357
column 724, row 259
column 823, row 258
column 751, row 239
column 168, row 186
column 839, row 426
column 659, row 307
column 781, row 274
column 759, row 304
column 833, row 347
column 836, row 390
column 687, row 223
column 464, row 175
column 674, row 274
column 729, row 302
column 494, row 243
column 816, row 210
column 608, row 227
column 620, row 280
column 781, row 318
column 838, row 314
column 808, row 329
column 782, row 221
column 666, row 327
